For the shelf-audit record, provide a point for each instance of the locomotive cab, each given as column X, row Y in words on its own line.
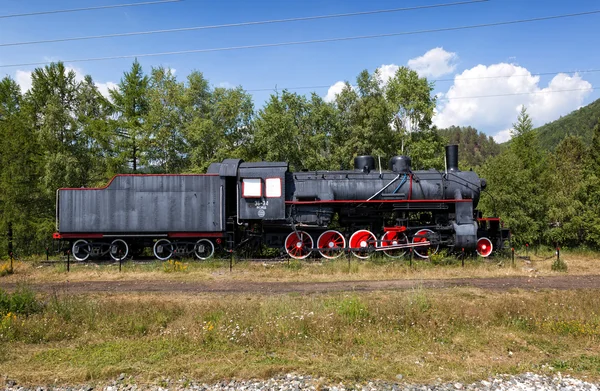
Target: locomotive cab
column 261, row 191
column 256, row 188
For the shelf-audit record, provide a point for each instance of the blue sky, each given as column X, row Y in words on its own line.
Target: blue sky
column 546, row 46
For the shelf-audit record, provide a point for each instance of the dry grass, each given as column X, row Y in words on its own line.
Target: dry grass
column 579, row 263
column 456, row 334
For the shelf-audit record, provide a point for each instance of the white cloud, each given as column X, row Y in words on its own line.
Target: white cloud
column 104, row 87
column 386, row 72
column 434, row 63
column 502, row 136
column 23, row 79
column 548, row 105
column 334, row 90
column 79, row 74
column 491, row 114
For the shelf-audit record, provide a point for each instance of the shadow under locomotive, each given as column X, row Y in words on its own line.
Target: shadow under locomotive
column 240, row 205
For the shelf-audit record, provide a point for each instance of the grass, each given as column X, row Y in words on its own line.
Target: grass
column 378, row 268
column 455, row 334
column 22, row 301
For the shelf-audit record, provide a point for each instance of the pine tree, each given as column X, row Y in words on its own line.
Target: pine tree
column 517, row 182
column 524, row 124
column 131, row 103
column 566, row 193
column 93, row 116
column 51, row 106
column 524, row 142
column 590, row 193
column 21, row 200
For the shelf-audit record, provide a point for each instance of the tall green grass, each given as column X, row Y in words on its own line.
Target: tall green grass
column 346, row 336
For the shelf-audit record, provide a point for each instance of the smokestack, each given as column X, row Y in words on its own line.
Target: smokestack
column 452, row 157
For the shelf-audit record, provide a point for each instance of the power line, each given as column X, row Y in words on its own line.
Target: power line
column 241, row 24
column 518, row 93
column 435, row 80
column 524, row 75
column 496, row 95
column 326, row 40
column 88, row 8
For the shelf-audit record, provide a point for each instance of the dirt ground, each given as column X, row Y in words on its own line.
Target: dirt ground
column 566, row 282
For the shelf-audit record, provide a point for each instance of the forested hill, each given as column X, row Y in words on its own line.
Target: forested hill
column 474, row 147
column 578, row 123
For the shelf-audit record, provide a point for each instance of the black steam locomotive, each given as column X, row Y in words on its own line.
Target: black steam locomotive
column 239, row 204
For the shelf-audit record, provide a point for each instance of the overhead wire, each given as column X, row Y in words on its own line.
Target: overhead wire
column 101, row 7
column 523, row 75
column 241, row 24
column 519, row 93
column 496, row 95
column 296, row 43
column 435, row 80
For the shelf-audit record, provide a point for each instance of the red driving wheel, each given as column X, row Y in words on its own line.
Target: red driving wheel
column 394, row 238
column 298, row 244
column 331, row 244
column 362, row 241
column 484, row 247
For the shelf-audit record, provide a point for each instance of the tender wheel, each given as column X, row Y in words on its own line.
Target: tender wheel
column 424, row 235
column 204, row 249
column 391, row 238
column 331, row 244
column 81, row 250
column 119, row 250
column 364, row 241
column 484, row 247
column 163, row 249
column 299, row 246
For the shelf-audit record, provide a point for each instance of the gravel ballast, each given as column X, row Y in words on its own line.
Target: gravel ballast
column 523, row 382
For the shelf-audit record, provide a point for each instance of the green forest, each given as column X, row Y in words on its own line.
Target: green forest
column 65, row 133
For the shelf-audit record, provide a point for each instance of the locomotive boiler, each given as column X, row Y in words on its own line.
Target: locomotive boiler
column 239, row 204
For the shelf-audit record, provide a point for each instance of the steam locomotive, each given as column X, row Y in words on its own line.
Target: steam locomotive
column 238, row 205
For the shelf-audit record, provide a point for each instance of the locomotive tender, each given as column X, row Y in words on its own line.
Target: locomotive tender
column 237, row 204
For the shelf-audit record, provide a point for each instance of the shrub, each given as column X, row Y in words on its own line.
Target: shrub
column 5, row 269
column 174, row 266
column 22, row 301
column 559, row 265
column 440, row 258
